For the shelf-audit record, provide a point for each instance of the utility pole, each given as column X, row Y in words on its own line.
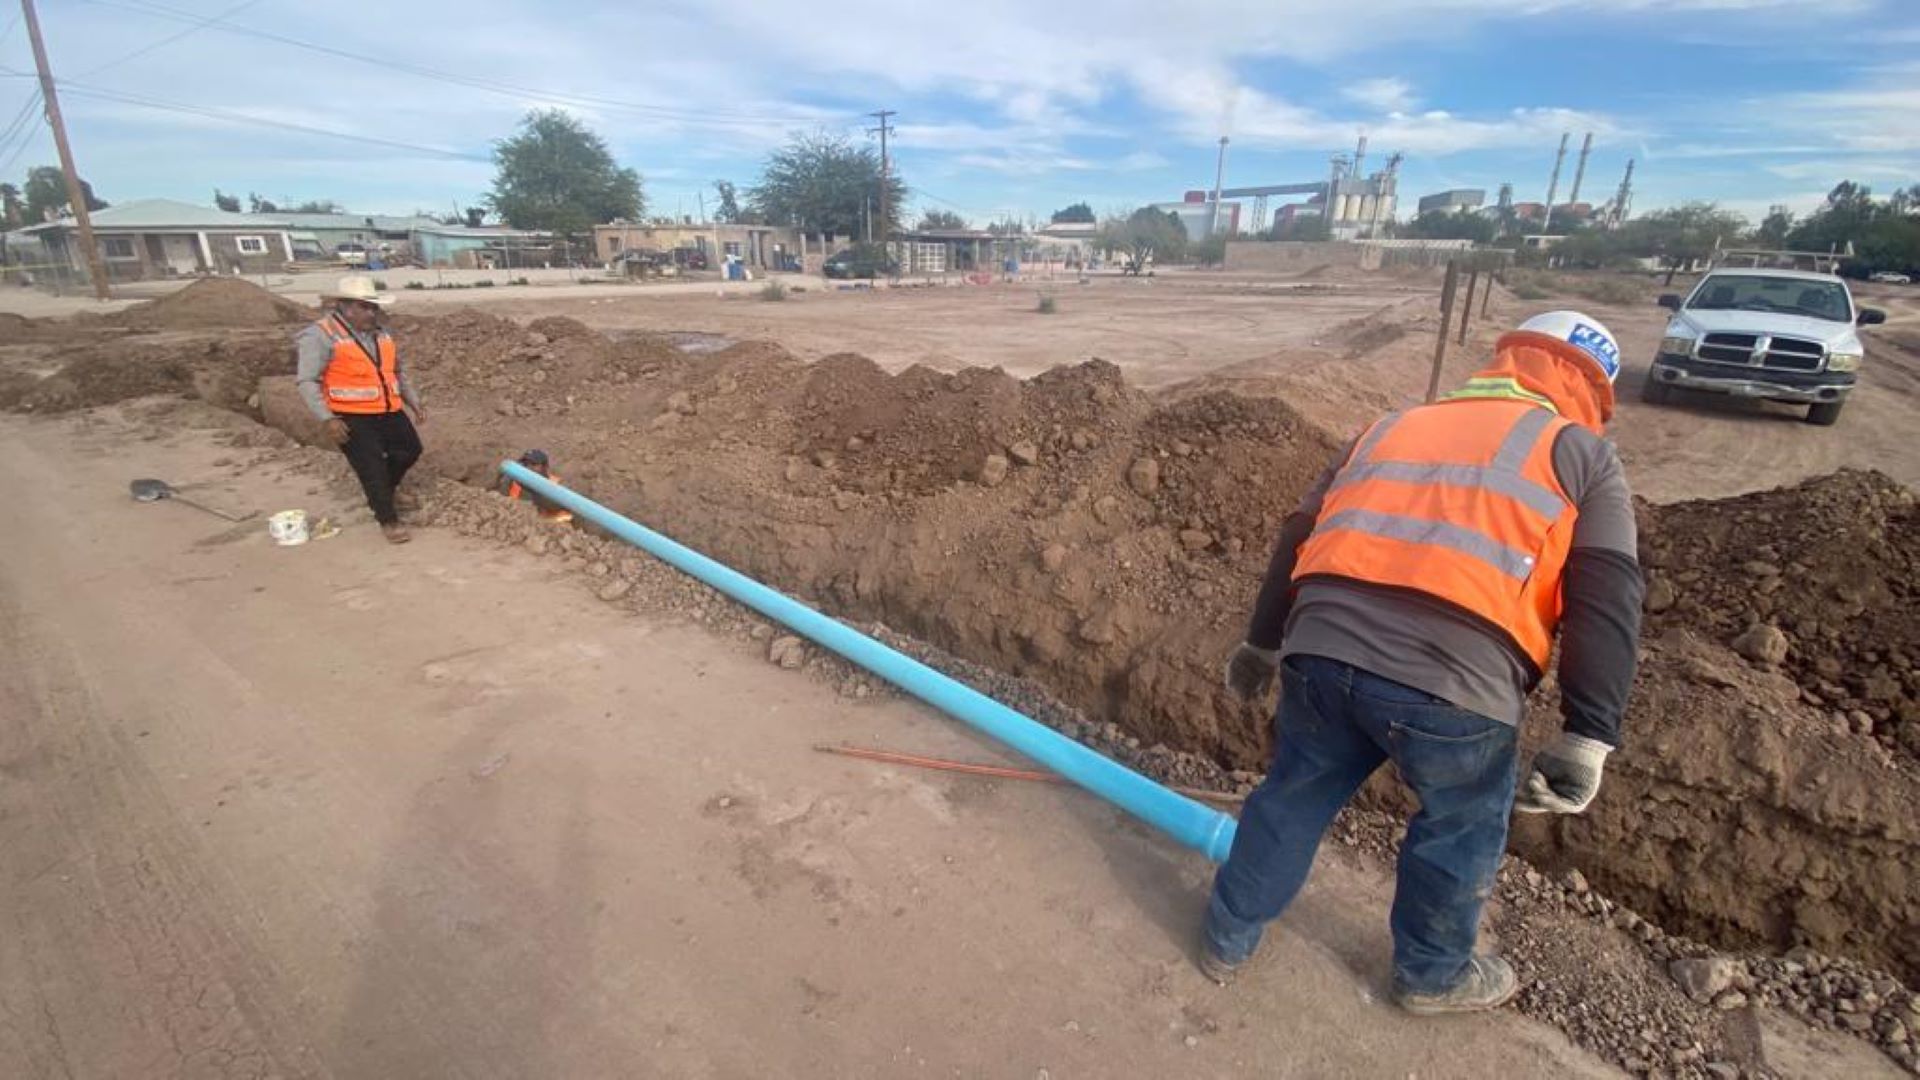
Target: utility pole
column 886, row 165
column 76, row 195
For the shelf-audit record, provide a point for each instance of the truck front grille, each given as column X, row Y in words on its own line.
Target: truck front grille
column 1782, row 353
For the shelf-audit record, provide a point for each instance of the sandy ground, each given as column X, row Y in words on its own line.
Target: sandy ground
column 355, row 810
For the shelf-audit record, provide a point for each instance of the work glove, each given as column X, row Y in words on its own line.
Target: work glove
column 1250, row 671
column 1565, row 776
column 336, row 431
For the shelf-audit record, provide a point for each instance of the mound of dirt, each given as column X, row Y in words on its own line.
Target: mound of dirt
column 1739, row 814
column 222, row 369
column 1827, row 570
column 213, row 303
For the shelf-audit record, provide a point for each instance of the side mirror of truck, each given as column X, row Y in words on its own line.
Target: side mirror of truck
column 1670, row 301
column 1870, row 316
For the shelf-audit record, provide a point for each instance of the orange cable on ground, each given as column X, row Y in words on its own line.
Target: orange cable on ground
column 1003, row 772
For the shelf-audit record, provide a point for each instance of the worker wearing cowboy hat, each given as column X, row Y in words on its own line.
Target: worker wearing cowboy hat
column 351, row 379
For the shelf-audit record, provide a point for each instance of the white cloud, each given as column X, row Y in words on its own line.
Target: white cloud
column 1386, row 95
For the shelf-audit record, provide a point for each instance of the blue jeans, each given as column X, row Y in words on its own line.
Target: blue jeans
column 1336, row 725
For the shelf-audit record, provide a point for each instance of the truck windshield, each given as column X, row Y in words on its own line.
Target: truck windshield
column 1786, row 296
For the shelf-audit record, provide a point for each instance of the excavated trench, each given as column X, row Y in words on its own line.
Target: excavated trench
column 1105, row 544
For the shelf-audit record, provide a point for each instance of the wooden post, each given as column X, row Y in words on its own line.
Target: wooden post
column 1447, row 291
column 76, row 195
column 1466, row 310
column 1485, row 297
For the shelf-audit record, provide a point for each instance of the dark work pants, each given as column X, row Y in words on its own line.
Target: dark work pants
column 381, row 448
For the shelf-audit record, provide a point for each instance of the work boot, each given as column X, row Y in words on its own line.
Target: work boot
column 1210, row 963
column 405, row 500
column 1487, row 983
column 396, row 533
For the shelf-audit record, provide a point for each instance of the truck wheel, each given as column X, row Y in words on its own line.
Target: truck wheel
column 1654, row 391
column 1825, row 413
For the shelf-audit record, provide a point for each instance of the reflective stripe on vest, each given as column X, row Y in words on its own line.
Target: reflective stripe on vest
column 355, row 382
column 1502, row 474
column 1499, row 386
column 1457, row 500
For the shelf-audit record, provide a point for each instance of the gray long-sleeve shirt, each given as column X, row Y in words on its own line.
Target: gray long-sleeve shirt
column 1429, row 644
column 313, row 351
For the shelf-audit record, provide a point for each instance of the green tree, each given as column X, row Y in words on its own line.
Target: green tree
column 46, row 194
column 318, row 206
column 1144, row 230
column 1884, row 234
column 1774, row 228
column 12, row 211
column 727, row 199
column 556, row 174
column 1079, row 213
column 824, row 184
column 1682, row 234
column 1460, row 224
column 940, row 219
column 223, row 201
column 258, row 205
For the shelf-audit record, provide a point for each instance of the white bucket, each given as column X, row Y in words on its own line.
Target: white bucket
column 288, row 527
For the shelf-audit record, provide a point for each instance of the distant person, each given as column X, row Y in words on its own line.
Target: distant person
column 1410, row 606
column 537, row 461
column 350, row 376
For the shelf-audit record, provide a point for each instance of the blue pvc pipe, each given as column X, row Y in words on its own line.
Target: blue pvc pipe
column 1193, row 824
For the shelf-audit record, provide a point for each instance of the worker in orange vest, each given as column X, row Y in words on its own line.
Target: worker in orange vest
column 1411, row 605
column 350, row 376
column 537, row 461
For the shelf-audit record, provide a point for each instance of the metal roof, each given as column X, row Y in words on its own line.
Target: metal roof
column 155, row 215
column 398, row 223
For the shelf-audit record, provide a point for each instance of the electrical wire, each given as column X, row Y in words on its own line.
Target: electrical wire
column 245, row 118
column 12, row 24
column 717, row 117
column 19, row 127
column 171, row 38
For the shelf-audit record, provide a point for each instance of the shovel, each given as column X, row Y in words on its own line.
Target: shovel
column 155, row 490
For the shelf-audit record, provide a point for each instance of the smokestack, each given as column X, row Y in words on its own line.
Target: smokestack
column 1359, row 155
column 1219, row 177
column 1580, row 170
column 1553, row 185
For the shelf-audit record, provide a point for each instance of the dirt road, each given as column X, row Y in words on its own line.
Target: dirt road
column 354, row 810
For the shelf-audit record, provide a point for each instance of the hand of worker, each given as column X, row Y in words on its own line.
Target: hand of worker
column 336, row 431
column 1250, row 671
column 1565, row 776
column 419, row 416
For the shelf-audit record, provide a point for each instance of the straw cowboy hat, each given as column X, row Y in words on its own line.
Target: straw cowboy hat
column 358, row 287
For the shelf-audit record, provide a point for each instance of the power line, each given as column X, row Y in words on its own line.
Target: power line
column 26, row 141
column 244, row 118
column 707, row 116
column 19, row 126
column 171, row 38
column 11, row 24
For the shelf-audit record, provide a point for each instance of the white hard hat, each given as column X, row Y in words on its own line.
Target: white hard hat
column 1589, row 337
column 357, row 287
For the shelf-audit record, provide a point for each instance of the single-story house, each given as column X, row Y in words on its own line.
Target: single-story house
column 940, row 251
column 156, row 238
column 762, row 247
column 320, row 235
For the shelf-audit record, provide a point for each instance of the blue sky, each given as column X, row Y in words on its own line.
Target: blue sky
column 1004, row 107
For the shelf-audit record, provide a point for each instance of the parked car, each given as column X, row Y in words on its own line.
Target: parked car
column 860, row 261
column 1779, row 335
column 351, row 253
column 1891, row 277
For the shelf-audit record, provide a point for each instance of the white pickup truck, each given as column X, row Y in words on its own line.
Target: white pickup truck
column 1780, row 335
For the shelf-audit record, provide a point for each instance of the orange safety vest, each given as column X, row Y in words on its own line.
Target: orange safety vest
column 352, row 382
column 1458, row 500
column 515, row 491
